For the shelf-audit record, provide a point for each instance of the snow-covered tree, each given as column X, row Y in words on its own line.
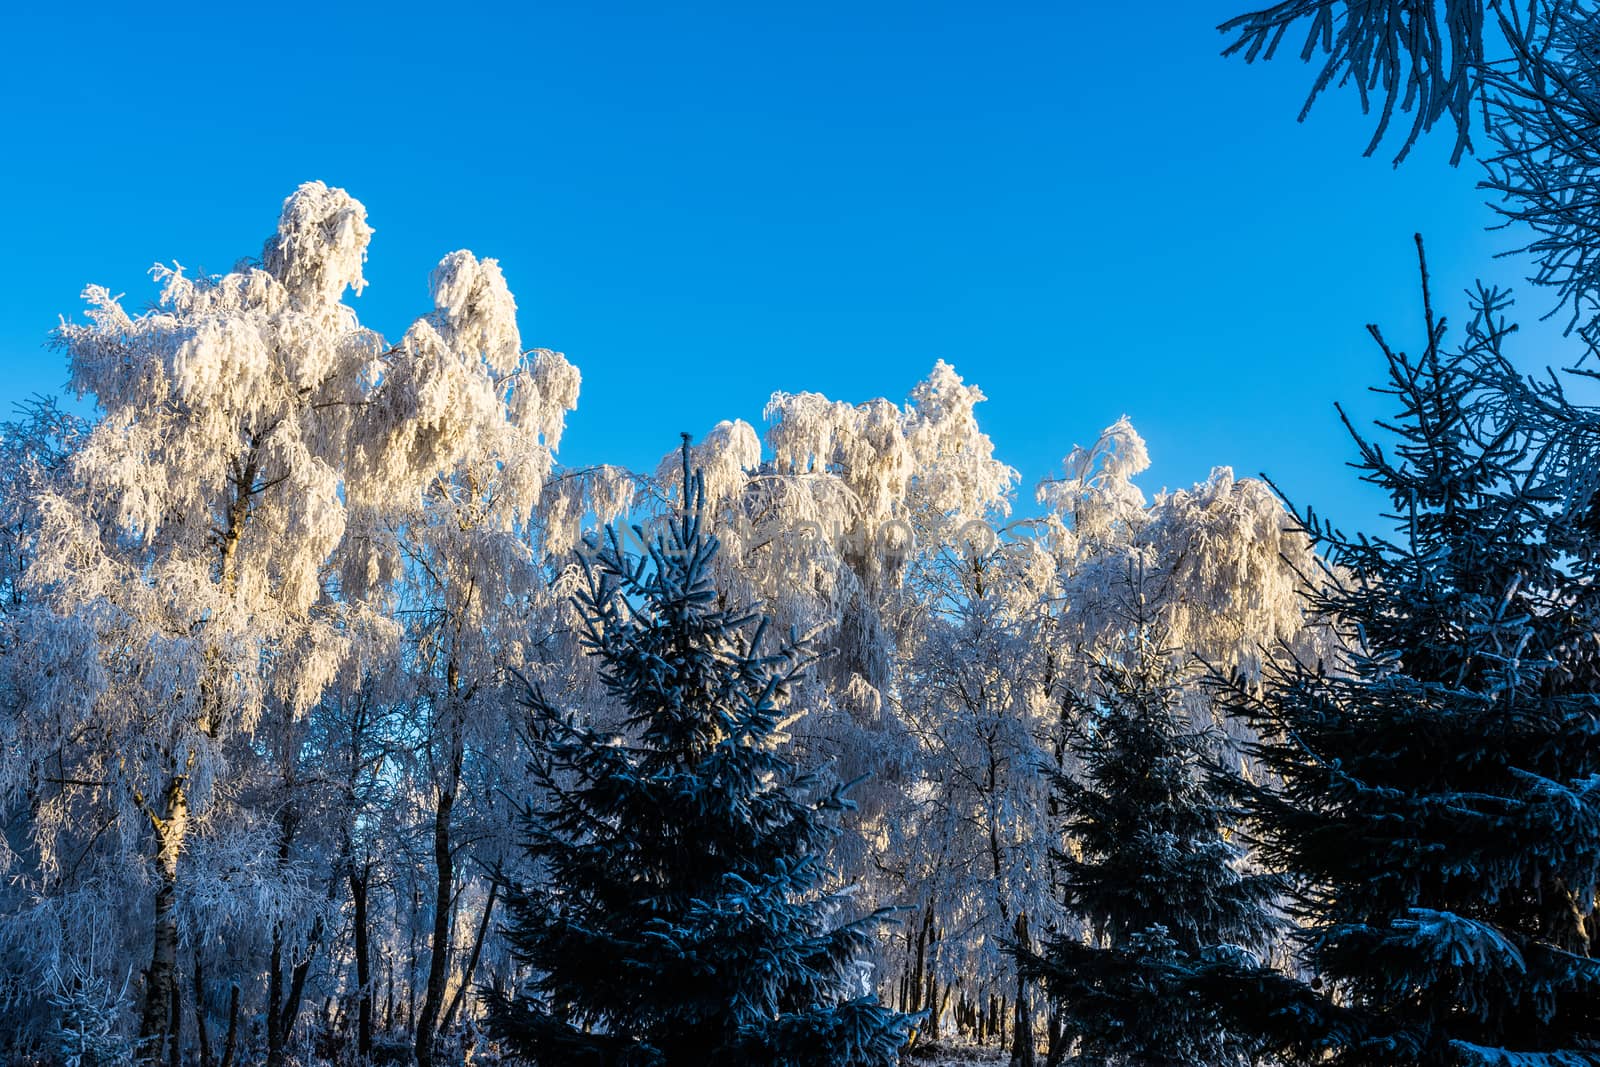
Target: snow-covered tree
column 1223, row 560
column 827, row 528
column 851, row 528
column 681, row 921
column 969, row 842
column 865, row 528
column 1438, row 805
column 34, row 449
column 838, row 532
column 1146, row 867
column 203, row 568
column 255, row 624
column 80, row 1006
column 471, row 581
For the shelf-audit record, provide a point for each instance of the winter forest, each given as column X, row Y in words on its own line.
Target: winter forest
column 342, row 723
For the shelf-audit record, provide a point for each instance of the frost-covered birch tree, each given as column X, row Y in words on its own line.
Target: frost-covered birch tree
column 827, row 526
column 1223, row 562
column 971, row 835
column 864, row 523
column 204, row 565
column 471, row 579
column 259, row 617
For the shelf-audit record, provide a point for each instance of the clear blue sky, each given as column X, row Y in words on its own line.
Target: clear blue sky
column 1081, row 206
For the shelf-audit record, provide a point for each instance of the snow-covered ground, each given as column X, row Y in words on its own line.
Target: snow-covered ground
column 955, row 1056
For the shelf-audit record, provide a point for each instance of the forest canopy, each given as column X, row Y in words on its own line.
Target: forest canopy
column 343, row 722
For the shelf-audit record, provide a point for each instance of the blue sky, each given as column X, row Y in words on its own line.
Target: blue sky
column 1081, row 206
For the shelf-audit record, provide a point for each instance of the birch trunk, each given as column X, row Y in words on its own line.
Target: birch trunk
column 171, row 825
column 439, row 962
column 1022, row 1052
column 358, row 900
column 472, row 961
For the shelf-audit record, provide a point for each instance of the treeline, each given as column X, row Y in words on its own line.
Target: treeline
column 315, row 700
column 307, row 671
column 271, row 618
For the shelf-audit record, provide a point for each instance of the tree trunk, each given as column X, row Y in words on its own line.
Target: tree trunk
column 409, row 981
column 171, row 827
column 1022, row 1029
column 358, row 900
column 302, row 966
column 230, row 1044
column 439, row 960
column 201, row 1033
column 472, row 960
column 920, row 970
column 275, row 1034
column 175, row 1035
column 930, row 992
column 297, row 981
column 275, row 999
column 1058, row 1041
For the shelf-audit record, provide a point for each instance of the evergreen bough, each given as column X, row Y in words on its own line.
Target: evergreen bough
column 1149, row 872
column 682, row 920
column 1435, row 792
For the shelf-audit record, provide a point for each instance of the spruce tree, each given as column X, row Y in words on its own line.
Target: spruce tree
column 681, row 920
column 1149, row 871
column 1435, row 791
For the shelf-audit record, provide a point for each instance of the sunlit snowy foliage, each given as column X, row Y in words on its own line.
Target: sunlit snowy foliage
column 266, row 618
column 262, row 610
